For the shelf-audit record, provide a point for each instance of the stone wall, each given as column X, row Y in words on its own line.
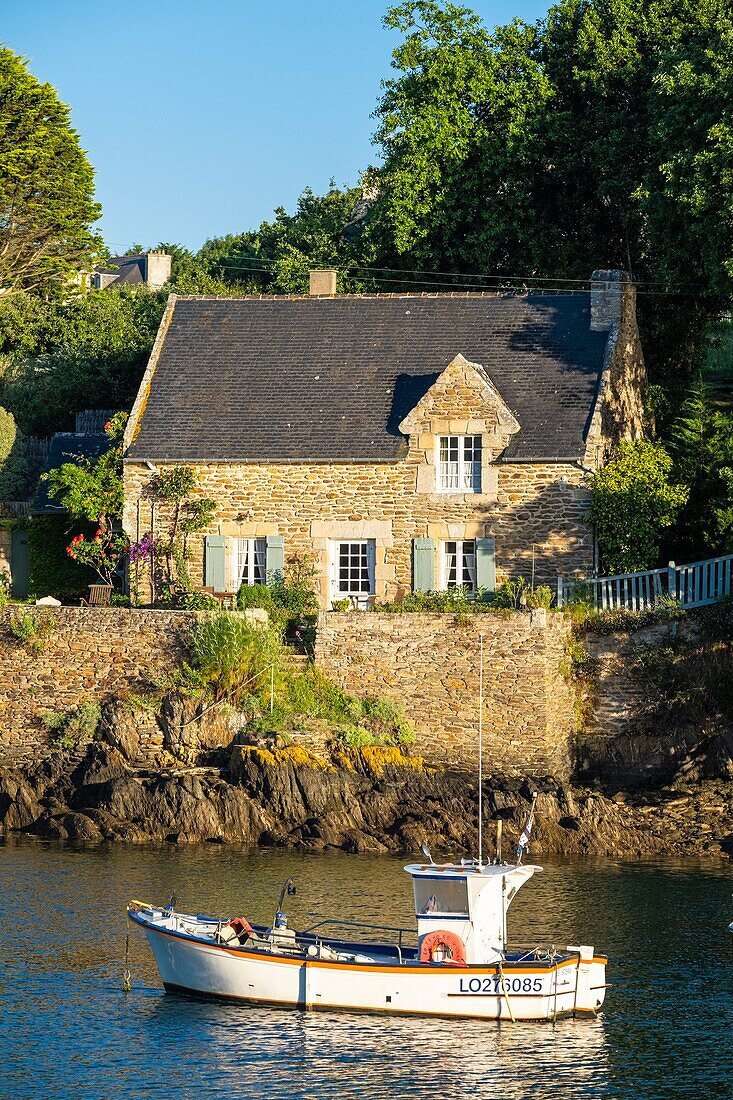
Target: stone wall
column 623, row 742
column 529, row 508
column 619, row 412
column 430, row 664
column 5, row 550
column 87, row 654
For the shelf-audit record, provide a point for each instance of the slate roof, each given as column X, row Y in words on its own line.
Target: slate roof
column 128, row 270
column 330, row 379
column 66, row 447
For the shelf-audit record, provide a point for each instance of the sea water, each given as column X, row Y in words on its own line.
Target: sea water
column 70, row 1032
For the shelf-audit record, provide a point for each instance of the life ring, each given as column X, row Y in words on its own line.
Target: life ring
column 448, row 948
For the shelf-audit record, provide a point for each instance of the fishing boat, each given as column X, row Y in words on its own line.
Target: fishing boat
column 459, row 967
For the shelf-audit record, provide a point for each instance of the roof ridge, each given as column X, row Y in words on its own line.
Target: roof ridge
column 383, row 295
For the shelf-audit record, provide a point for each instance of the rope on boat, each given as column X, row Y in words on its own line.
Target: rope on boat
column 126, row 976
column 506, row 995
column 577, row 981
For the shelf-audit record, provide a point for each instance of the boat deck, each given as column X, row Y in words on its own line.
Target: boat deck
column 264, row 940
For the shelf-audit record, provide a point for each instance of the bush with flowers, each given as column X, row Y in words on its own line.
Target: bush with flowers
column 103, row 552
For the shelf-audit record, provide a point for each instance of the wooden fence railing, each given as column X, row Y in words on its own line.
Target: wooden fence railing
column 14, row 509
column 694, row 585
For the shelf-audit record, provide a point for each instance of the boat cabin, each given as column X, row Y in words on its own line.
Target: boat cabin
column 467, row 904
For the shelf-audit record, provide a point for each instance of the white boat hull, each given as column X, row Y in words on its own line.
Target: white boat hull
column 528, row 989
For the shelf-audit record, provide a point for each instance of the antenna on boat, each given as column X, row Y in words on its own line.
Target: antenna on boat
column 480, row 751
column 426, row 852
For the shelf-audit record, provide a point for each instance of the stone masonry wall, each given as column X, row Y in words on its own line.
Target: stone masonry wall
column 528, row 508
column 619, row 413
column 430, row 664
column 88, row 654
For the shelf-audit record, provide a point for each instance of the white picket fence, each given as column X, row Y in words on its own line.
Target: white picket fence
column 694, row 585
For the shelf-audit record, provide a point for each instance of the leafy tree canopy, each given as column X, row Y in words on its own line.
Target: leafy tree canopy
column 91, row 489
column 87, row 351
column 324, row 231
column 600, row 137
column 46, row 184
column 634, row 501
column 14, row 470
column 701, row 444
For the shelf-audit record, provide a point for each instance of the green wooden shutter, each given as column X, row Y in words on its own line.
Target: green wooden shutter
column 215, row 562
column 275, row 562
column 423, row 565
column 486, row 564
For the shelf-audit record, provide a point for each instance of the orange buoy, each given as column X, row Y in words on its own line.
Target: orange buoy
column 444, row 947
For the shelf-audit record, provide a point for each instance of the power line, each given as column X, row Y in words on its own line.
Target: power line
column 434, row 277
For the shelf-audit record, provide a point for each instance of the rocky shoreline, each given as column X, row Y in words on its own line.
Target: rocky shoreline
column 369, row 800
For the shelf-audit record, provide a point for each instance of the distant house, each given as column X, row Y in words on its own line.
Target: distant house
column 151, row 269
column 404, row 441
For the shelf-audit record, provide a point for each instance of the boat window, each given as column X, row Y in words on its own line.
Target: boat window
column 448, row 895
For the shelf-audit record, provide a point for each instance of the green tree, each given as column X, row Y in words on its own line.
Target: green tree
column 14, row 470
column 59, row 356
column 633, row 503
column 601, row 137
column 324, row 231
column 46, row 184
column 701, row 444
column 92, row 489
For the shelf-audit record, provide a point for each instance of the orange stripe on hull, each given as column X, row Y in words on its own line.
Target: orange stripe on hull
column 359, row 968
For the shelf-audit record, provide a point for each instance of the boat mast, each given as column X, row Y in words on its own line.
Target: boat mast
column 480, row 750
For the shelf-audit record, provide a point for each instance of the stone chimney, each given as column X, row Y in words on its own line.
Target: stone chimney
column 157, row 269
column 612, row 295
column 323, row 283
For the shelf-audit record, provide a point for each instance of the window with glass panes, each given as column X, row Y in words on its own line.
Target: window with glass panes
column 250, row 562
column 354, row 568
column 459, row 564
column 459, row 463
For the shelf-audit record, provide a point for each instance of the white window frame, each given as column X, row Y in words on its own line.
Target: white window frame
column 365, row 558
column 463, row 473
column 249, row 562
column 465, row 565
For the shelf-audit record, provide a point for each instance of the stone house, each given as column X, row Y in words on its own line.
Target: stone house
column 405, row 441
column 150, row 269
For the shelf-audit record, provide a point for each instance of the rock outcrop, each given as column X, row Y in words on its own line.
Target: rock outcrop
column 374, row 800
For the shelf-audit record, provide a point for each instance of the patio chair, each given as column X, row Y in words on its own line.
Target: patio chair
column 99, row 596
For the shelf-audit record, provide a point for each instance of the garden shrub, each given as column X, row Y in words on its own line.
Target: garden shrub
column 633, row 501
column 31, row 628
column 14, row 470
column 230, row 655
column 254, row 595
column 513, row 595
column 79, row 724
column 289, row 599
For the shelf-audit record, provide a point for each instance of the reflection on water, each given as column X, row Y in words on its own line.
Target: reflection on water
column 76, row 1035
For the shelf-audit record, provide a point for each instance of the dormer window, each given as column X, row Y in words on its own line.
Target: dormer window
column 459, row 463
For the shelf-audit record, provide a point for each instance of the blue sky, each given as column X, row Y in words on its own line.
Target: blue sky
column 200, row 118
